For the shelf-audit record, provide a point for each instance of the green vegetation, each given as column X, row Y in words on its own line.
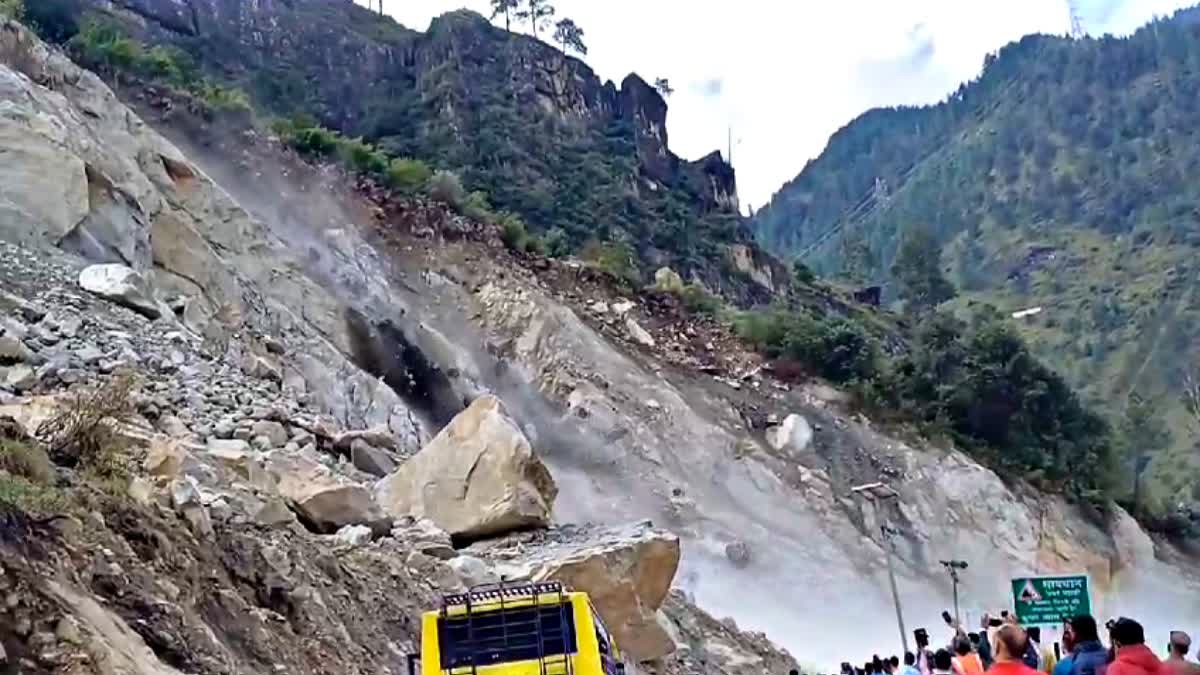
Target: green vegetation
column 26, row 460
column 615, row 258
column 698, row 300
column 1061, row 178
column 408, row 176
column 27, row 480
column 24, row 496
column 978, row 383
column 12, row 9
column 102, row 45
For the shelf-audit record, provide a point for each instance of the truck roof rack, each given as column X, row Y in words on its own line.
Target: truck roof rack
column 501, row 591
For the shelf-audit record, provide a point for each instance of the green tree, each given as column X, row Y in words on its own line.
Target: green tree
column 12, row 9
column 569, row 36
column 538, row 13
column 918, row 270
column 802, row 274
column 505, row 8
column 858, row 259
column 1143, row 435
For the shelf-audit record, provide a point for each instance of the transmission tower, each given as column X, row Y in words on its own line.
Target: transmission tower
column 1077, row 32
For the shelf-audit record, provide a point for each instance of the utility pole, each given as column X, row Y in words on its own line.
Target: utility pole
column 953, row 566
column 877, row 493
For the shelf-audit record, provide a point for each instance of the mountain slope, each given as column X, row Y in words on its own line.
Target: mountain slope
column 1060, row 178
column 524, row 123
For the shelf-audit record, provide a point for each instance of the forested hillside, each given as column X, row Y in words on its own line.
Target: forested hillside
column 1061, row 178
column 522, row 122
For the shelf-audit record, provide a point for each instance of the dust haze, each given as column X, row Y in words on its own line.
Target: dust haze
column 824, row 604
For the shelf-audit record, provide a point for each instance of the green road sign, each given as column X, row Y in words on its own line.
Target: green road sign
column 1045, row 601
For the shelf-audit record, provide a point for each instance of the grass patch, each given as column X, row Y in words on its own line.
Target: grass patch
column 21, row 495
column 26, row 460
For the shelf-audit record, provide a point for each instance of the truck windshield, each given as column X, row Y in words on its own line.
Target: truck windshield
column 485, row 638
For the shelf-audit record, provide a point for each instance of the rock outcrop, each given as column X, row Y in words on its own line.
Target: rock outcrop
column 478, row 477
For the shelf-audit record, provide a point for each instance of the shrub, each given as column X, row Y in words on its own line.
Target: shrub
column 361, row 156
column 765, row 331
column 408, row 176
column 314, row 141
column 835, row 348
column 476, row 207
column 447, row 188
column 699, row 301
column 513, row 232
column 616, row 258
column 223, row 99
column 159, row 63
column 801, row 273
column 26, row 460
column 556, row 243
column 85, row 431
column 21, row 495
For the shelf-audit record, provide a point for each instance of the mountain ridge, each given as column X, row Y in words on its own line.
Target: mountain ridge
column 1056, row 179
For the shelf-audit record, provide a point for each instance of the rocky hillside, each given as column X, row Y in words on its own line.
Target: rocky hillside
column 536, row 131
column 300, row 347
column 1059, row 179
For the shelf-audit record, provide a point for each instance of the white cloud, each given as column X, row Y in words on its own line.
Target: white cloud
column 785, row 74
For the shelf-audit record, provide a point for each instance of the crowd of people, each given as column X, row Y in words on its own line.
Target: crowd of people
column 1003, row 647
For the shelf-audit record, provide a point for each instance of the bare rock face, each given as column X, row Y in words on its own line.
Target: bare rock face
column 479, row 477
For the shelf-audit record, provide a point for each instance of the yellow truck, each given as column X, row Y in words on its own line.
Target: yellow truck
column 526, row 628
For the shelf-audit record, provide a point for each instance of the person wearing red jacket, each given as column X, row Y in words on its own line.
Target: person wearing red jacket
column 1011, row 643
column 1133, row 656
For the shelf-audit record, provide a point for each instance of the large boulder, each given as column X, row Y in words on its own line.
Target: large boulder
column 479, row 477
column 626, row 571
column 123, row 286
column 325, row 503
column 627, row 575
column 793, row 435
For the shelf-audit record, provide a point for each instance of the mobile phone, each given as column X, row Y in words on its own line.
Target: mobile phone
column 946, row 617
column 1004, row 613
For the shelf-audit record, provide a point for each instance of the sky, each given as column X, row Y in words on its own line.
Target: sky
column 785, row 74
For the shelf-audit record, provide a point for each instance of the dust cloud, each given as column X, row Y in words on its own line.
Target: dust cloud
column 823, row 599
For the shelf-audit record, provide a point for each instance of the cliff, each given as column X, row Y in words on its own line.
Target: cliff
column 536, row 130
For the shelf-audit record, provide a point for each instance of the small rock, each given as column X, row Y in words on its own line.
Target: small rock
column 221, row 510
column 274, row 432
column 472, row 570
column 738, row 553
column 224, row 428
column 12, row 350
column 184, row 493
column 198, row 520
column 140, row 491
column 622, row 307
column 222, row 445
column 638, row 334
column 262, row 443
column 274, row 513
column 89, row 355
column 67, row 631
column 371, row 459
column 20, row 378
column 354, row 535
column 172, row 426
